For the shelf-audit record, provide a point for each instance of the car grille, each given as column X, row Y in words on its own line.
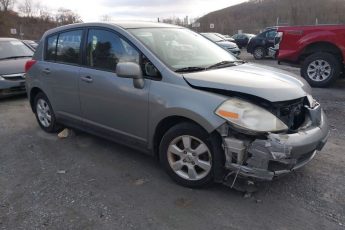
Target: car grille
column 14, row 77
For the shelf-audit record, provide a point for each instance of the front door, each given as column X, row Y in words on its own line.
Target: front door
column 108, row 102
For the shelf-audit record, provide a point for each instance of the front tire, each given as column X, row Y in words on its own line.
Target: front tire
column 320, row 69
column 191, row 156
column 259, row 53
column 45, row 115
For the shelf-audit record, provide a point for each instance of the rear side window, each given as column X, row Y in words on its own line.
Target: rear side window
column 51, row 48
column 271, row 34
column 105, row 49
column 68, row 47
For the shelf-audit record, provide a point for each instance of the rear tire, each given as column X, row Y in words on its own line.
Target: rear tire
column 320, row 69
column 193, row 165
column 45, row 115
column 259, row 53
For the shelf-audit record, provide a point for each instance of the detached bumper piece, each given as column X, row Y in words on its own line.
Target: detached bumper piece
column 277, row 154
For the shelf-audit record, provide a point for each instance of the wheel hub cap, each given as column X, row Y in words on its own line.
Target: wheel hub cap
column 43, row 113
column 258, row 53
column 189, row 157
column 319, row 70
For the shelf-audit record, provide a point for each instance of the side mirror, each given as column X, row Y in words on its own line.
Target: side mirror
column 131, row 70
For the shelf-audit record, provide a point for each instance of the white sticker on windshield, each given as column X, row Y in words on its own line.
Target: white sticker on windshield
column 16, row 43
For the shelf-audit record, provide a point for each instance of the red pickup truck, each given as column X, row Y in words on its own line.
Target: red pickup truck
column 318, row 50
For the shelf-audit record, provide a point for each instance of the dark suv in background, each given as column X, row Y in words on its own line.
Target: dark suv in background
column 260, row 44
column 242, row 40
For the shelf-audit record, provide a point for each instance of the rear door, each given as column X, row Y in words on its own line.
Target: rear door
column 61, row 71
column 270, row 36
column 109, row 103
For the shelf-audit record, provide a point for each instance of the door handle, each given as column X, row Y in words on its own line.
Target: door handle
column 87, row 79
column 46, row 71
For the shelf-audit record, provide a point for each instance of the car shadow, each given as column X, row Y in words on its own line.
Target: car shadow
column 12, row 98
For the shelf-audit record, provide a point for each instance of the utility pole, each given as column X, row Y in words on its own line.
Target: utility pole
column 21, row 34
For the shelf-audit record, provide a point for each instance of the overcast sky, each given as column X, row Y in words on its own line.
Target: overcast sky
column 139, row 9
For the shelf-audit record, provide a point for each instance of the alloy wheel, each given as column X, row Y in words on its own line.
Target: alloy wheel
column 258, row 53
column 43, row 112
column 189, row 157
column 319, row 70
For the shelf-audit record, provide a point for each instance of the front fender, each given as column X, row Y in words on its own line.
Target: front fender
column 168, row 100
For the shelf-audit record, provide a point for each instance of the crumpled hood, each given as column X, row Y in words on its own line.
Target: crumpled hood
column 13, row 66
column 262, row 81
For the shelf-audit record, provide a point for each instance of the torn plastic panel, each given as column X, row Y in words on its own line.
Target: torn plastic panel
column 266, row 157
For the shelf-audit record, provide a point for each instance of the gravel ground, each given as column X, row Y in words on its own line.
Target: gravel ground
column 83, row 182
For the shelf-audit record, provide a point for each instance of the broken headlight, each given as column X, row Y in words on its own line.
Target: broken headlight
column 248, row 116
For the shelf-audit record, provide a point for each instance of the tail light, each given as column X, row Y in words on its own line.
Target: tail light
column 29, row 64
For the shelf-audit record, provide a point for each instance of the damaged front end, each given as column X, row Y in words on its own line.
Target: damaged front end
column 264, row 156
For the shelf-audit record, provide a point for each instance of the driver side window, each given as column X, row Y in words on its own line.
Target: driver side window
column 105, row 49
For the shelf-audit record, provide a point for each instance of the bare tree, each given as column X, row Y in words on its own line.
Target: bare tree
column 5, row 5
column 67, row 16
column 106, row 18
column 44, row 13
column 36, row 8
column 26, row 8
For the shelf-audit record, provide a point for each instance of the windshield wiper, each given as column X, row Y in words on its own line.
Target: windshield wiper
column 190, row 69
column 225, row 64
column 13, row 57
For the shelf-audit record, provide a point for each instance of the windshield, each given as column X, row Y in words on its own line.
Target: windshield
column 14, row 48
column 182, row 48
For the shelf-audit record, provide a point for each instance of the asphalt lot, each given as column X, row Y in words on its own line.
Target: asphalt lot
column 83, row 182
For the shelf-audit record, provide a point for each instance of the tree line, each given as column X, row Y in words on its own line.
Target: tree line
column 31, row 18
column 255, row 15
column 32, row 8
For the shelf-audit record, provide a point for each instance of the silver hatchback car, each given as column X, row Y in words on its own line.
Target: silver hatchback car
column 170, row 92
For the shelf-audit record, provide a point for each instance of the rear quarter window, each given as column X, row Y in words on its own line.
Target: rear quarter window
column 68, row 47
column 51, row 48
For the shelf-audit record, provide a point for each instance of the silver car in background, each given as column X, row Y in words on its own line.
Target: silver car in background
column 223, row 42
column 13, row 56
column 170, row 92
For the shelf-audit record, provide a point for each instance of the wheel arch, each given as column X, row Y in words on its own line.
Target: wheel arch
column 324, row 46
column 165, row 124
column 33, row 93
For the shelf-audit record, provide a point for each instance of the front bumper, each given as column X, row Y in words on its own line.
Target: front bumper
column 11, row 88
column 279, row 154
